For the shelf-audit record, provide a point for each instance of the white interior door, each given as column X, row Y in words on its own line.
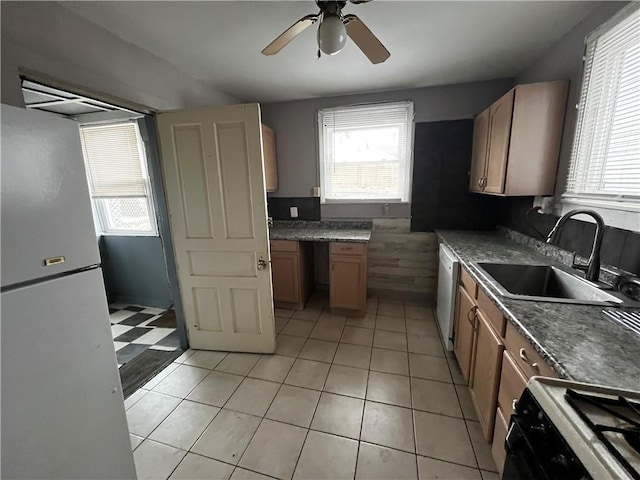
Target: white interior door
column 214, row 177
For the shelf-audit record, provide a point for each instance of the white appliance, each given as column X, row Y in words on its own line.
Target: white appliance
column 62, row 406
column 448, row 274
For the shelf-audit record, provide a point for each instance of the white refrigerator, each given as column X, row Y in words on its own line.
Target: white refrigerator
column 62, row 408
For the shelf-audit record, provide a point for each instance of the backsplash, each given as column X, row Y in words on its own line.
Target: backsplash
column 620, row 248
column 308, row 208
column 401, row 264
column 440, row 196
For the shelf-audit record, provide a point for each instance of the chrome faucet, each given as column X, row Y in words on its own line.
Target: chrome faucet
column 593, row 264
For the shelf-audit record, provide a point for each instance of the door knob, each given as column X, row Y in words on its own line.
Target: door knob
column 262, row 263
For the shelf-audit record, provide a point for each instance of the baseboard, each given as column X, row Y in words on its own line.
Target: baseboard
column 162, row 303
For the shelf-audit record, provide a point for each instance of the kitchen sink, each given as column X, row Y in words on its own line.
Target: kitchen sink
column 544, row 283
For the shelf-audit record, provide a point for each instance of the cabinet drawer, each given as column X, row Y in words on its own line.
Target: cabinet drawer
column 499, row 434
column 468, row 283
column 345, row 248
column 492, row 312
column 512, row 383
column 525, row 356
column 284, row 246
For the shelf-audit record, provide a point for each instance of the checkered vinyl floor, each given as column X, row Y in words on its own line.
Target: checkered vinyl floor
column 133, row 334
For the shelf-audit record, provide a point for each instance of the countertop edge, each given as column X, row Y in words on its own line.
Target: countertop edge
column 302, row 234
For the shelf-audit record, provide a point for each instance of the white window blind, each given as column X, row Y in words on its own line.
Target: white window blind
column 365, row 152
column 112, row 156
column 605, row 162
column 118, row 179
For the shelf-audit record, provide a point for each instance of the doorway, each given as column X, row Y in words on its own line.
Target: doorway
column 132, row 231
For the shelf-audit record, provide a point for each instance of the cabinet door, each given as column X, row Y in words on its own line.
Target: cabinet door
column 347, row 282
column 479, row 157
column 483, row 386
column 284, row 268
column 499, row 135
column 270, row 163
column 463, row 344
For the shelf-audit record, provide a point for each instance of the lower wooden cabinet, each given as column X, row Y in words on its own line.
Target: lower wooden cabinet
column 348, row 277
column 485, row 375
column 291, row 272
column 496, row 360
column 286, row 277
column 465, row 325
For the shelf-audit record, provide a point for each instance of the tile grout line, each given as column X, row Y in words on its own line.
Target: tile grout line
column 413, row 415
column 315, row 410
column 466, row 426
column 364, row 403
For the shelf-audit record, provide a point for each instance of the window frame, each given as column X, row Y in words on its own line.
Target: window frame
column 98, row 204
column 408, row 169
column 621, row 207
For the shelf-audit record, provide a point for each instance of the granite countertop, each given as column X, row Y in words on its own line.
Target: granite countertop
column 578, row 341
column 324, row 231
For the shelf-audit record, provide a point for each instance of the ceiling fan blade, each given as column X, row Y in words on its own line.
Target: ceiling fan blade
column 289, row 34
column 365, row 39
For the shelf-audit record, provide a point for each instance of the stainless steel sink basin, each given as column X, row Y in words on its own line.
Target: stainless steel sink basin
column 544, row 283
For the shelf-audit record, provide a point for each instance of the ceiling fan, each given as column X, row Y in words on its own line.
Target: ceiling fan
column 333, row 31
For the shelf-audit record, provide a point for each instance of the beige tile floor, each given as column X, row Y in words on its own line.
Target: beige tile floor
column 365, row 398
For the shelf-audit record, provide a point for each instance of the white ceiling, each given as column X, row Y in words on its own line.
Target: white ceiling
column 431, row 43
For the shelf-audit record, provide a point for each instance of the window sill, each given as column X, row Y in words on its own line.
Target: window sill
column 616, row 213
column 363, row 202
column 127, row 234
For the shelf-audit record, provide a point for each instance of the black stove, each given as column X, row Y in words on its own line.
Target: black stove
column 615, row 421
column 573, row 431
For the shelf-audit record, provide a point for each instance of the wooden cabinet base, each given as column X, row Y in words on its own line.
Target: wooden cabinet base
column 348, row 278
column 292, row 273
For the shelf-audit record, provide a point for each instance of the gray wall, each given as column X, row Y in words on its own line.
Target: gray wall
column 48, row 38
column 564, row 60
column 295, row 124
column 134, row 270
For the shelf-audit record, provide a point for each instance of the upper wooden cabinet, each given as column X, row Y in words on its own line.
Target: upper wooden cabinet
column 516, row 141
column 270, row 163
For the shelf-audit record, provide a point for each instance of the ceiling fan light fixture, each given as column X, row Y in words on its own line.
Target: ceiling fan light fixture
column 332, row 35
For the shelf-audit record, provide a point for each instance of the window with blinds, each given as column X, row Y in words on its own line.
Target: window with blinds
column 118, row 179
column 605, row 161
column 365, row 152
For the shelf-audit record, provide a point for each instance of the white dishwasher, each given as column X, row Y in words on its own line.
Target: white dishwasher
column 447, row 281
